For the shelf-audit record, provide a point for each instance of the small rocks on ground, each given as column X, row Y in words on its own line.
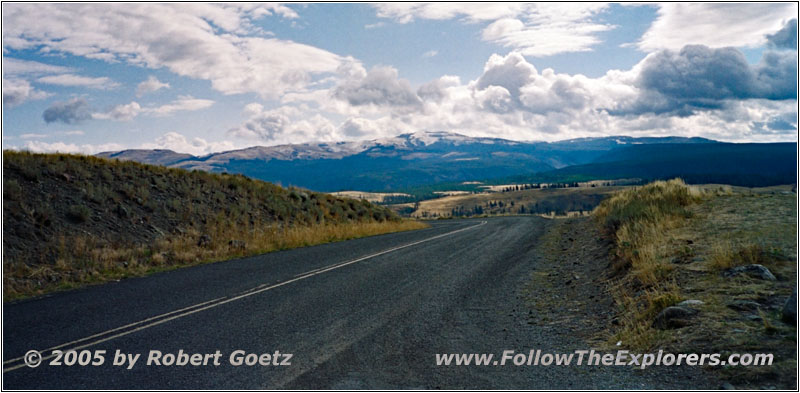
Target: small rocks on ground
column 755, row 270
column 744, row 305
column 690, row 302
column 673, row 317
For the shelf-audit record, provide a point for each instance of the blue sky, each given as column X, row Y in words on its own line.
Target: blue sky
column 201, row 78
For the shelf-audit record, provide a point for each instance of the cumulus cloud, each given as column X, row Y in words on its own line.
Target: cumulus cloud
column 379, row 86
column 510, row 72
column 436, row 90
column 698, row 77
column 125, row 112
column 286, row 124
column 180, row 143
column 152, row 84
column 359, row 128
column 715, row 24
column 214, row 42
column 62, row 147
column 69, row 112
column 785, row 38
column 18, row 91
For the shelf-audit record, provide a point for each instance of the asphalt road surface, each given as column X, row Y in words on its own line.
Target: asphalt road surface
column 368, row 313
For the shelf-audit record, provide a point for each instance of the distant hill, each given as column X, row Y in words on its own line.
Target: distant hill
column 399, row 162
column 745, row 164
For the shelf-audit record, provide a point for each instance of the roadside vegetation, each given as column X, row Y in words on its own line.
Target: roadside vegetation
column 721, row 258
column 71, row 220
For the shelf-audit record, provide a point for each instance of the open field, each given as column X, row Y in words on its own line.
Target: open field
column 375, row 197
column 547, row 201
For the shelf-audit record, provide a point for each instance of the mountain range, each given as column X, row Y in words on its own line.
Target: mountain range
column 423, row 158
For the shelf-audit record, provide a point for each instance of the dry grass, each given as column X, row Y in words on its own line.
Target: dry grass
column 638, row 219
column 673, row 242
column 71, row 219
column 82, row 260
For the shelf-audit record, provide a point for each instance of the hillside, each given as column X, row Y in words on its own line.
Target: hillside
column 707, row 269
column 746, row 164
column 70, row 220
column 401, row 162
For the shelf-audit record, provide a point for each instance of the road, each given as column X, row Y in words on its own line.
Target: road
column 368, row 313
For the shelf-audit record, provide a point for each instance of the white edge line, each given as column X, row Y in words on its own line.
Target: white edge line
column 208, row 306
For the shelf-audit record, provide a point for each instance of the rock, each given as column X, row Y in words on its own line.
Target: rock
column 789, row 313
column 754, row 270
column 673, row 317
column 754, row 318
column 204, row 241
column 691, row 302
column 744, row 305
column 727, row 386
column 237, row 244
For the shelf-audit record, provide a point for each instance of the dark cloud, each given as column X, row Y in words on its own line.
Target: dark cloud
column 776, row 75
column 700, row 78
column 785, row 38
column 380, row 86
column 265, row 126
column 698, row 73
column 70, row 112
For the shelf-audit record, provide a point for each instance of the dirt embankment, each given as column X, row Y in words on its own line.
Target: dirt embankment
column 70, row 220
column 618, row 290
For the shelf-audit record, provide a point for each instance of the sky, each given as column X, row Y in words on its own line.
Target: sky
column 201, row 78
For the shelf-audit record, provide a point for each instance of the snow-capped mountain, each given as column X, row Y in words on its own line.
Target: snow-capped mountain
column 389, row 163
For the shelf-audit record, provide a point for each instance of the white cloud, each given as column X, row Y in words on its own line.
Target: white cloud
column 12, row 66
column 512, row 99
column 430, row 53
column 18, row 91
column 61, row 147
column 715, row 24
column 182, row 144
column 183, row 103
column 33, row 136
column 214, row 42
column 127, row 112
column 286, row 124
column 379, row 86
column 470, row 12
column 72, row 80
column 533, row 29
column 152, row 84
